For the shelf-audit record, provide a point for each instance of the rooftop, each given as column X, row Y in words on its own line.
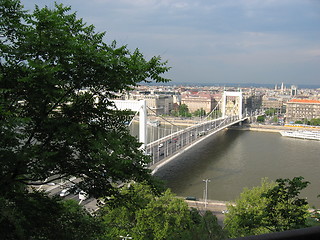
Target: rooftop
column 303, row 101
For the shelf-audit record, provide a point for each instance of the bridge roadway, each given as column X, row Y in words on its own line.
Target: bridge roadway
column 167, row 148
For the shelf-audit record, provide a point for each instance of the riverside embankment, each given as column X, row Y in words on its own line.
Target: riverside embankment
column 261, row 128
column 268, row 128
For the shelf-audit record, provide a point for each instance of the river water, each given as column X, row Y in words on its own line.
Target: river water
column 234, row 159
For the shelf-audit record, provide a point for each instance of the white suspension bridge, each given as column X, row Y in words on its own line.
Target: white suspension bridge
column 228, row 112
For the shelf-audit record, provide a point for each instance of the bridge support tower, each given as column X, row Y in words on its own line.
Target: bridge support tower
column 238, row 95
column 136, row 106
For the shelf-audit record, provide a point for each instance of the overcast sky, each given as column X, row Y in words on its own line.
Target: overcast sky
column 214, row 41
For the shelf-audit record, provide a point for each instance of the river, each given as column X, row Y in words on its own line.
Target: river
column 234, row 159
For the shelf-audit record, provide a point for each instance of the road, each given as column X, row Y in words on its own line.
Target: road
column 216, row 207
column 90, row 204
column 167, row 146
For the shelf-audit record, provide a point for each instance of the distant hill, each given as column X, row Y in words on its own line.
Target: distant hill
column 243, row 85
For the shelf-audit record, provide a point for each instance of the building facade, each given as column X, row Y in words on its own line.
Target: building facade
column 273, row 103
column 198, row 101
column 302, row 109
column 157, row 104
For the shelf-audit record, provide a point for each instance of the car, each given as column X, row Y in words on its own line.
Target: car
column 160, row 145
column 65, row 192
column 83, row 195
column 191, row 198
column 202, row 133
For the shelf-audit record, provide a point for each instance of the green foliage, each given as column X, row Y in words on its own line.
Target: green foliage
column 246, row 216
column 165, row 217
column 215, row 114
column 57, row 76
column 271, row 112
column 200, row 113
column 275, row 119
column 182, row 111
column 37, row 216
column 315, row 122
column 285, row 210
column 205, row 227
column 260, row 118
column 272, row 207
column 147, row 215
column 56, row 120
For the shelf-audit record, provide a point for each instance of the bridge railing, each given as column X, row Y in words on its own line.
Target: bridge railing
column 173, row 143
column 191, row 134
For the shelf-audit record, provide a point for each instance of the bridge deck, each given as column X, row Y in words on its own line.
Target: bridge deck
column 166, row 149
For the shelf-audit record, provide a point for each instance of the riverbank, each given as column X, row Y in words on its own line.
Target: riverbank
column 218, row 208
column 265, row 128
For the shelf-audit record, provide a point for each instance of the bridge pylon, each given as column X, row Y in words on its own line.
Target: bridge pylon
column 136, row 106
column 238, row 96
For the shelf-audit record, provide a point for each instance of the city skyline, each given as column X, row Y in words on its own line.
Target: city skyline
column 214, row 42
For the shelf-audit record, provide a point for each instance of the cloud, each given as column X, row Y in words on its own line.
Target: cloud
column 203, row 38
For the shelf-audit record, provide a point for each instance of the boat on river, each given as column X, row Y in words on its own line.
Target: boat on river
column 311, row 135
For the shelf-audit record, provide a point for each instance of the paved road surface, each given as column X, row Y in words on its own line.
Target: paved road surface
column 216, row 207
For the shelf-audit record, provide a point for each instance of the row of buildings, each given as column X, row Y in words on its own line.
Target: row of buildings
column 291, row 103
column 163, row 101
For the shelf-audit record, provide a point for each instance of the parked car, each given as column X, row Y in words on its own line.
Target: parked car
column 160, row 145
column 83, row 195
column 65, row 192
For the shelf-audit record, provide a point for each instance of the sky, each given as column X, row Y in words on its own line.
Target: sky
column 213, row 41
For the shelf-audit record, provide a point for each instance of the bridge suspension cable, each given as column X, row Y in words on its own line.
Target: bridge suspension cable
column 162, row 117
column 214, row 109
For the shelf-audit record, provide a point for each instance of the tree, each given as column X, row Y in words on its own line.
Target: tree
column 275, row 119
column 165, row 217
column 205, row 226
column 215, row 114
column 149, row 216
column 57, row 76
column 182, row 111
column 285, row 210
column 37, row 216
column 260, row 119
column 245, row 217
column 200, row 113
column 315, row 122
column 56, row 118
column 272, row 207
column 271, row 112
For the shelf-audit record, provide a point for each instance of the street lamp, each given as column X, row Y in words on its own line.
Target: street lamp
column 206, row 192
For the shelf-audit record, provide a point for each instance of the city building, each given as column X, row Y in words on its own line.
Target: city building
column 158, row 104
column 196, row 101
column 251, row 100
column 302, row 109
column 273, row 103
